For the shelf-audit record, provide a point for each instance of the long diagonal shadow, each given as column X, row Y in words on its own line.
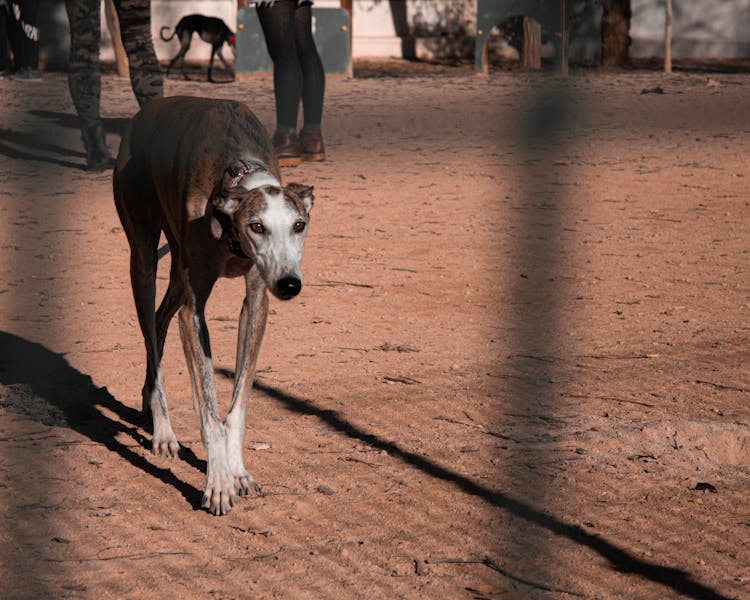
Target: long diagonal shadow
column 48, row 389
column 620, row 559
column 72, row 399
column 39, row 145
column 30, row 153
column 116, row 125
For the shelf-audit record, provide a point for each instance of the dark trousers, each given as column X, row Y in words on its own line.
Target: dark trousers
column 24, row 33
column 4, row 43
column 297, row 70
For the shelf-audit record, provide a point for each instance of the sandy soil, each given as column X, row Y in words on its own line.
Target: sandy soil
column 517, row 369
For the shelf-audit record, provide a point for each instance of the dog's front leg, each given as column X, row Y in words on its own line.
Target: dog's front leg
column 250, row 333
column 219, row 496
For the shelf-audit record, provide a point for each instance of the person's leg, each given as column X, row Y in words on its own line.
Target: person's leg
column 311, row 138
column 24, row 39
column 135, row 27
column 15, row 33
column 277, row 21
column 29, row 47
column 5, row 64
column 84, row 79
column 313, row 75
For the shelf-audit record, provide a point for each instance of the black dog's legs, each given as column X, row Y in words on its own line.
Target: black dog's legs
column 216, row 50
column 184, row 47
column 225, row 62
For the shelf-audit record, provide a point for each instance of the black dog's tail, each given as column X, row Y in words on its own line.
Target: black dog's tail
column 161, row 33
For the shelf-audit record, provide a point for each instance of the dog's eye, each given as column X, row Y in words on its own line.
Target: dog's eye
column 299, row 226
column 257, row 228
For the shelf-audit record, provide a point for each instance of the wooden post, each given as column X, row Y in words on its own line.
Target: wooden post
column 113, row 24
column 531, row 57
column 564, row 26
column 668, row 39
column 347, row 6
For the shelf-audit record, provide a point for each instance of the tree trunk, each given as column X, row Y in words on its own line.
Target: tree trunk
column 668, row 39
column 531, row 56
column 113, row 24
column 615, row 32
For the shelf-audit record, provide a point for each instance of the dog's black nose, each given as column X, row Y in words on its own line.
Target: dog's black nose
column 289, row 287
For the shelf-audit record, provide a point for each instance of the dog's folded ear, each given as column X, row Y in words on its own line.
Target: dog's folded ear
column 303, row 192
column 224, row 197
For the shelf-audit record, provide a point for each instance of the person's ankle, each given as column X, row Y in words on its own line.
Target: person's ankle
column 283, row 130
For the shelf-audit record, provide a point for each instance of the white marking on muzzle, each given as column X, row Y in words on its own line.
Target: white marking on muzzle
column 279, row 252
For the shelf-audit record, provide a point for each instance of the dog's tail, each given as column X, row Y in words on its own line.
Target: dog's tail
column 161, row 33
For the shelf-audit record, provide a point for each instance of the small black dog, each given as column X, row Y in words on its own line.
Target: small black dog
column 210, row 29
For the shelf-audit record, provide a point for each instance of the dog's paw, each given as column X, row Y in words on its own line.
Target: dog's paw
column 165, row 446
column 245, row 485
column 220, row 496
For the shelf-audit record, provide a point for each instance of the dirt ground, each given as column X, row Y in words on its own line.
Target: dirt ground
column 518, row 368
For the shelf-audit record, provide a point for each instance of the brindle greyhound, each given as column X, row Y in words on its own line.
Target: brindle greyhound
column 204, row 172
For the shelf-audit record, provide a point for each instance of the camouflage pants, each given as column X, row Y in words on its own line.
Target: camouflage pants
column 84, row 77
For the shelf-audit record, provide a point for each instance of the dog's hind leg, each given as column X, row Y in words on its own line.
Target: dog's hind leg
column 211, row 64
column 173, row 62
column 164, row 441
column 250, row 333
column 141, row 220
column 220, row 495
column 185, row 38
column 143, row 276
column 173, row 299
column 226, row 64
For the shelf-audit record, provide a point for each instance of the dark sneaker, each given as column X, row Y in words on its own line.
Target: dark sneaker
column 287, row 148
column 312, row 146
column 25, row 74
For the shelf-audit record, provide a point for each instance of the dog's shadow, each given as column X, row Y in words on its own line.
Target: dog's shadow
column 42, row 143
column 41, row 385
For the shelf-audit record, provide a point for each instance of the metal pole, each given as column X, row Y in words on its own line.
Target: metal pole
column 564, row 18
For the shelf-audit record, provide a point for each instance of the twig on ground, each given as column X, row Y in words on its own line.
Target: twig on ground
column 337, row 283
column 606, row 399
column 27, row 435
column 721, row 386
column 258, row 556
column 120, row 557
column 357, row 460
column 478, row 427
column 400, row 379
column 619, row 356
column 547, row 588
column 546, row 359
column 487, row 561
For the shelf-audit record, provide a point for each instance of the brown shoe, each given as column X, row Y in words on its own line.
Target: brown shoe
column 312, row 146
column 287, row 148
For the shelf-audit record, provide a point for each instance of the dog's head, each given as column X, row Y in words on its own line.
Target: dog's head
column 231, row 41
column 269, row 223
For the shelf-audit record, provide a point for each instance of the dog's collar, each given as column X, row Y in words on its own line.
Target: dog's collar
column 229, row 234
column 233, row 243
